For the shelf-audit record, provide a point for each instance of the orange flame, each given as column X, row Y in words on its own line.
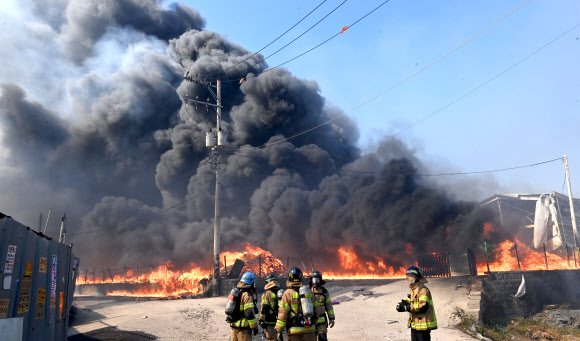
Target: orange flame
column 354, row 268
column 506, row 259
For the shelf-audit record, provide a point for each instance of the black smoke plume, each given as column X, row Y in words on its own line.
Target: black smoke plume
column 112, row 143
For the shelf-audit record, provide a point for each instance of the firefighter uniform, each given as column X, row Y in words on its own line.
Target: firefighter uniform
column 422, row 317
column 420, row 306
column 242, row 328
column 269, row 310
column 289, row 309
column 324, row 310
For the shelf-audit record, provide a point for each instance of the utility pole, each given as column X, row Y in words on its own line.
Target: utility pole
column 62, row 234
column 570, row 198
column 47, row 217
column 215, row 142
column 216, row 222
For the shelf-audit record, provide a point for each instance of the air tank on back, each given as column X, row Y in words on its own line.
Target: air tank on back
column 280, row 293
column 306, row 301
column 232, row 297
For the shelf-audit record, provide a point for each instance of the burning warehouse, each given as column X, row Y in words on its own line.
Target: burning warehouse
column 538, row 218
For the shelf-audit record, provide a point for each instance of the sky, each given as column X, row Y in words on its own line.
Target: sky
column 529, row 114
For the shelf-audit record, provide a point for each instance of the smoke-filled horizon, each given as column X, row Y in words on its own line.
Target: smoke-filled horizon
column 94, row 124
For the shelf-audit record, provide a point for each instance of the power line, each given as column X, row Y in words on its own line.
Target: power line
column 273, row 41
column 494, row 170
column 392, row 87
column 474, row 89
column 311, row 27
column 465, row 173
column 317, row 46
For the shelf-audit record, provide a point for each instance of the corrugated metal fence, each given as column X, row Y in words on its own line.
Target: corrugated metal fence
column 37, row 278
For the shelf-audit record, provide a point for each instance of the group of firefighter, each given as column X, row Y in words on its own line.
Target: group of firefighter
column 305, row 312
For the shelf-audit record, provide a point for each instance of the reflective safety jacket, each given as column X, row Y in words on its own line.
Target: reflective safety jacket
column 247, row 306
column 290, row 311
column 269, row 306
column 422, row 315
column 322, row 304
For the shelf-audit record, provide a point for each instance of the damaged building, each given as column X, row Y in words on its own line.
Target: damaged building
column 540, row 218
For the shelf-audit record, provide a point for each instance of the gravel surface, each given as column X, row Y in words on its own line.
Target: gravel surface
column 364, row 310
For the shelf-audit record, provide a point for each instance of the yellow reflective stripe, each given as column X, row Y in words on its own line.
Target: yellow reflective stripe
column 295, row 295
column 280, row 323
column 272, row 295
column 295, row 307
column 253, row 323
column 423, row 298
column 247, row 306
column 328, row 300
column 265, row 303
column 300, row 330
column 308, row 295
column 422, row 326
column 285, row 306
column 321, row 319
column 330, row 312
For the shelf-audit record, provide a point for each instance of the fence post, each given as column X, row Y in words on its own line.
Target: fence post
column 517, row 256
column 567, row 255
column 86, row 273
column 225, row 268
column 545, row 256
column 575, row 264
column 486, row 256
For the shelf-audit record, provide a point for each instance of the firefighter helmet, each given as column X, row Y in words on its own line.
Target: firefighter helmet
column 415, row 272
column 248, row 278
column 269, row 278
column 316, row 279
column 295, row 275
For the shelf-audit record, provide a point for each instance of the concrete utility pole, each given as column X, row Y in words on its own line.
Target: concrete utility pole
column 216, row 222
column 215, row 159
column 570, row 198
column 47, row 217
column 62, row 234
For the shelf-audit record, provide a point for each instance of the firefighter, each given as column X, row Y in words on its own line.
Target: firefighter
column 322, row 305
column 244, row 322
column 420, row 306
column 269, row 307
column 291, row 314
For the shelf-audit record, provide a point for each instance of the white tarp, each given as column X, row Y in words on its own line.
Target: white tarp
column 541, row 220
column 522, row 289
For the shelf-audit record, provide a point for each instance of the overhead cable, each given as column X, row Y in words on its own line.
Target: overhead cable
column 270, row 43
column 392, row 87
column 315, row 47
column 474, row 89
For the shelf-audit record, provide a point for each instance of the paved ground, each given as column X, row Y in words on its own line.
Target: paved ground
column 366, row 311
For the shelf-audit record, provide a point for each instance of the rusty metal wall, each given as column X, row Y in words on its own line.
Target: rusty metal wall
column 37, row 280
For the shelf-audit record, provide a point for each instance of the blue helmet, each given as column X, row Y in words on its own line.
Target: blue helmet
column 248, row 278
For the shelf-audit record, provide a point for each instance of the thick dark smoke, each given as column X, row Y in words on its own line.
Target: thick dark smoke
column 113, row 145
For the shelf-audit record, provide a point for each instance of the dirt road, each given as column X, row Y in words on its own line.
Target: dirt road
column 365, row 311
